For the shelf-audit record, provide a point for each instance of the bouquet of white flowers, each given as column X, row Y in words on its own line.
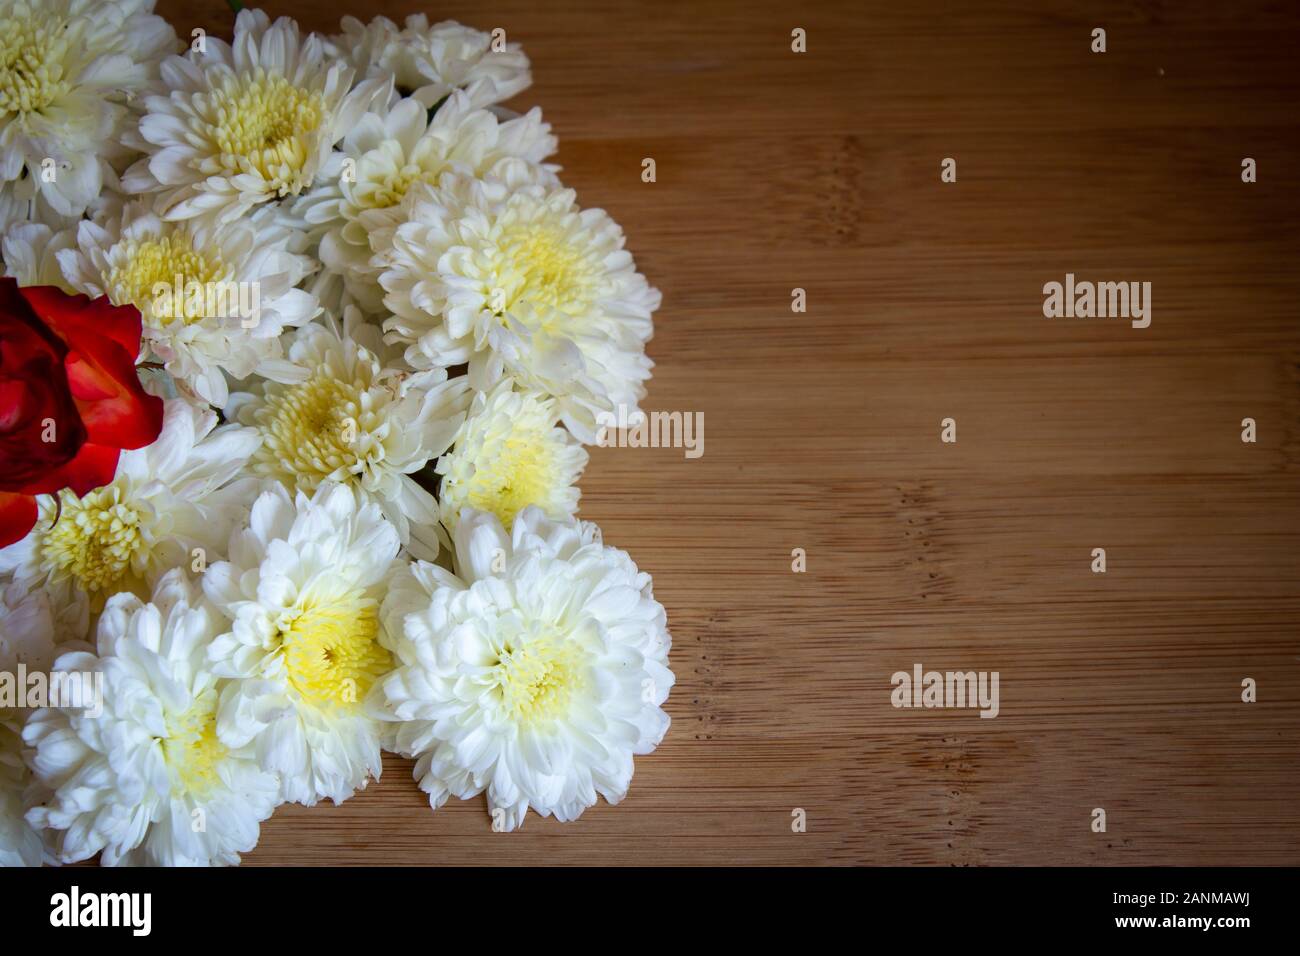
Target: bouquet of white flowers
column 301, row 339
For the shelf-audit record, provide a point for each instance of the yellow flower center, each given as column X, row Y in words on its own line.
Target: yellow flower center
column 94, row 542
column 544, row 270
column 151, row 262
column 331, row 651
column 191, row 747
column 309, row 431
column 537, row 679
column 264, row 124
column 390, row 188
column 397, row 185
column 32, row 56
column 517, row 473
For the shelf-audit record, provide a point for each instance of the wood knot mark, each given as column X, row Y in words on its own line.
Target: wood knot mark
column 829, row 177
column 923, row 541
column 705, row 676
column 843, row 189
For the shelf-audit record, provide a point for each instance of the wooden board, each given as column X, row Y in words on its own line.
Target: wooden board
column 821, row 171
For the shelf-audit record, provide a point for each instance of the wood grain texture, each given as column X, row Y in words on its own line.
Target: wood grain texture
column 821, row 171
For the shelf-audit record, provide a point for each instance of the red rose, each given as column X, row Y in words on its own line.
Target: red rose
column 70, row 398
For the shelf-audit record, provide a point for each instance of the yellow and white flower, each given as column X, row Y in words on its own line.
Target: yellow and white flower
column 181, row 493
column 147, row 781
column 29, row 631
column 67, row 70
column 509, row 454
column 236, row 126
column 535, row 673
column 517, row 281
column 430, row 62
column 353, row 417
column 20, row 843
column 31, row 254
column 214, row 298
column 388, row 151
column 28, row 635
column 303, row 586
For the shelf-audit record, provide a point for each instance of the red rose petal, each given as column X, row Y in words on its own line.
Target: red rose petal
column 114, row 407
column 15, row 397
column 69, row 361
column 88, row 380
column 16, row 309
column 40, row 427
column 68, row 315
column 17, row 515
column 93, row 467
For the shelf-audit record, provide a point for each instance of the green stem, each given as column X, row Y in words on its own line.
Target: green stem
column 234, row 5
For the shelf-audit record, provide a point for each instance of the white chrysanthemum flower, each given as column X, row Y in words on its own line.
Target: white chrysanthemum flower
column 214, row 297
column 236, row 126
column 517, row 281
column 180, row 493
column 31, row 254
column 392, row 148
column 509, row 454
column 355, row 418
column 29, row 629
column 34, row 630
column 20, row 844
column 28, row 632
column 429, row 62
column 147, row 780
column 303, row 586
column 67, row 69
column 537, row 674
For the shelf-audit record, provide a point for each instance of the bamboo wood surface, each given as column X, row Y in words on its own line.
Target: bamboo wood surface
column 778, row 170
